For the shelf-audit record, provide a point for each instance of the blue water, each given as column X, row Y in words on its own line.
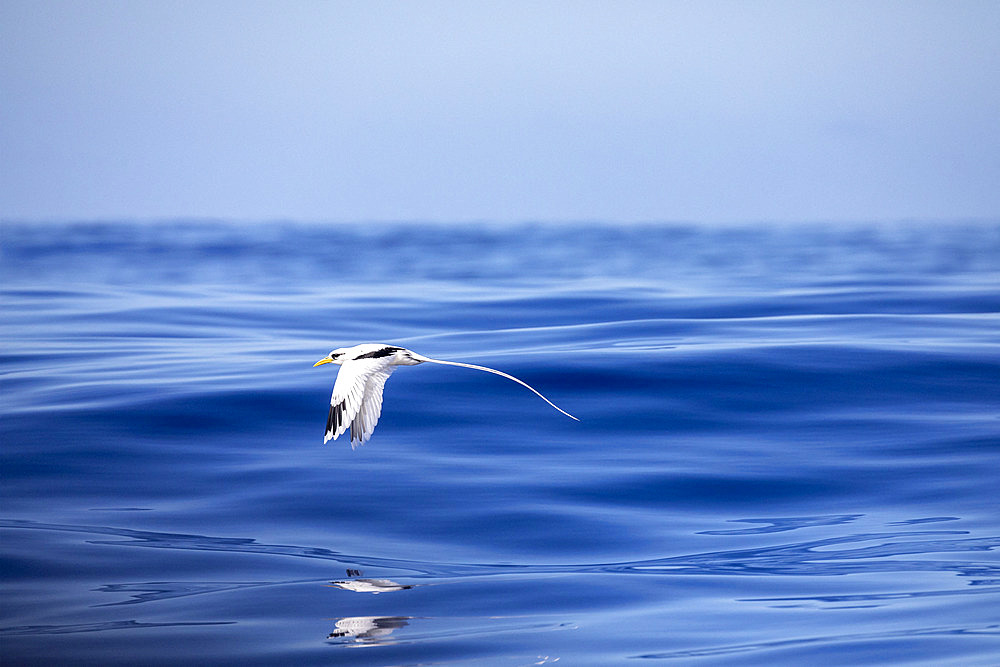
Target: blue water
column 789, row 450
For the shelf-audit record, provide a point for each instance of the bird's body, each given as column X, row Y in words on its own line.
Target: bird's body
column 357, row 394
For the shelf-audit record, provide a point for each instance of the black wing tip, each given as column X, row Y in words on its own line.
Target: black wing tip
column 335, row 417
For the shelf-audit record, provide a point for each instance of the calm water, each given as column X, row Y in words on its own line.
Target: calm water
column 789, row 450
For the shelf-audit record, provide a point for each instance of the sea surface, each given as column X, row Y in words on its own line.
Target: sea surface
column 788, row 449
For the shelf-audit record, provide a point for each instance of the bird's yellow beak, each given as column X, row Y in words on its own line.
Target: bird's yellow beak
column 324, row 360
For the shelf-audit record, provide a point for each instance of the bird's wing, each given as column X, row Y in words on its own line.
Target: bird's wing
column 371, row 407
column 349, row 393
column 421, row 357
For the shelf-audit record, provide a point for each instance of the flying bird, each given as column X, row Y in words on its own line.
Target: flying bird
column 357, row 394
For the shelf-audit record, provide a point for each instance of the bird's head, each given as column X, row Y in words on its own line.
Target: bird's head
column 335, row 357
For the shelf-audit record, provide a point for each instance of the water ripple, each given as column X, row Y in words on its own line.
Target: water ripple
column 71, row 628
column 779, row 525
column 833, row 556
column 991, row 630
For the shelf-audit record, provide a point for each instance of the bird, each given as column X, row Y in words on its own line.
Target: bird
column 357, row 394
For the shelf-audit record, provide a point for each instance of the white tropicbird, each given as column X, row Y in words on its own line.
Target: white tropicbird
column 357, row 394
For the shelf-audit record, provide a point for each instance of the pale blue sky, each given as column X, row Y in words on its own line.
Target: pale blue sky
column 508, row 110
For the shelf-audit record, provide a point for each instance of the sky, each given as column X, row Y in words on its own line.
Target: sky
column 508, row 110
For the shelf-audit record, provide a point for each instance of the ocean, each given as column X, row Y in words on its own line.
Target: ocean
column 788, row 453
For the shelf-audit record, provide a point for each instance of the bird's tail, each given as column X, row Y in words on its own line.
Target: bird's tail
column 420, row 357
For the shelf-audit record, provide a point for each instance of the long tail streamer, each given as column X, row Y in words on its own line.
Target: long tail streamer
column 495, row 372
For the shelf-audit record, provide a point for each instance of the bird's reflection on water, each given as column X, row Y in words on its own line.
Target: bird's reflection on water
column 367, row 629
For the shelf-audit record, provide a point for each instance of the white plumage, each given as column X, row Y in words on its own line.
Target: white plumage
column 357, row 394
